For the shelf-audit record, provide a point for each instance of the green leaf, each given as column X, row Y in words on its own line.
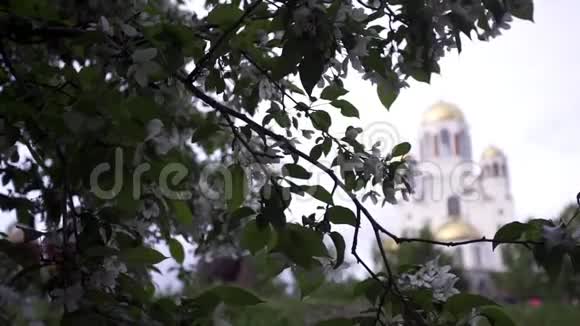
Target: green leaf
column 182, row 212
column 575, row 259
column 509, row 232
column 496, row 8
column 142, row 291
column 309, row 279
column 315, row 152
column 204, row 132
column 337, row 322
column 422, row 298
column 320, row 120
column 224, row 15
column 462, row 303
column 144, row 55
column 269, row 265
column 387, row 93
column 282, row 119
column 346, row 108
column 310, row 239
column 238, row 187
column 550, row 259
column 176, row 250
column 341, row 215
column 82, row 317
column 33, row 8
column 523, row 9
column 401, row 149
column 332, row 92
column 326, row 146
column 370, row 288
column 340, row 246
column 255, row 238
column 100, row 251
column 288, row 62
column 311, row 69
column 497, row 316
column 300, row 244
column 141, row 256
column 295, row 171
column 242, row 212
column 319, row 193
column 235, row 296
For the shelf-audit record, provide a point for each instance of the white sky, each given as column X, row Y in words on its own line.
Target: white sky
column 519, row 92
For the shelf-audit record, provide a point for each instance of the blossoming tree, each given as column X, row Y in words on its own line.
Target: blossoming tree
column 111, row 113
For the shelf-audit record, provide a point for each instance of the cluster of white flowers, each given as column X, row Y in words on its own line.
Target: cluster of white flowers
column 346, row 11
column 304, row 21
column 266, row 89
column 149, row 208
column 165, row 139
column 107, row 276
column 431, row 276
column 69, row 297
column 8, row 296
column 29, row 309
column 560, row 236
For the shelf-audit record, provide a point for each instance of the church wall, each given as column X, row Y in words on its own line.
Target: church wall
column 448, row 170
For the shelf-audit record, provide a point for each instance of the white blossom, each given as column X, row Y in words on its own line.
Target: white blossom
column 70, row 296
column 431, row 276
column 149, row 209
column 352, row 133
column 107, row 276
column 154, row 128
column 358, row 14
column 265, row 89
column 555, row 236
column 164, row 139
column 303, row 21
column 356, row 64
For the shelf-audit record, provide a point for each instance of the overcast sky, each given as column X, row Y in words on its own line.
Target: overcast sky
column 519, row 92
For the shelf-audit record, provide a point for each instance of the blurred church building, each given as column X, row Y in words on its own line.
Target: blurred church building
column 459, row 198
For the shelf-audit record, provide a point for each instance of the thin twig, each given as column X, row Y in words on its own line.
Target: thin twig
column 209, row 55
column 400, row 240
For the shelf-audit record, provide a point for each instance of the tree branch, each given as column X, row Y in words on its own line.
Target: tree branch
column 400, row 240
column 209, row 55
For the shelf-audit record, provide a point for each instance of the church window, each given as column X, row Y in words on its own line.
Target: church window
column 453, row 206
column 427, row 187
column 482, row 286
column 436, row 145
column 477, row 256
column 500, row 212
column 503, row 170
column 458, row 257
column 457, row 144
column 495, row 169
column 445, row 142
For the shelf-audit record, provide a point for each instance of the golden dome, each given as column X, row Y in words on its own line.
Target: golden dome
column 491, row 152
column 455, row 231
column 442, row 111
column 390, row 245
